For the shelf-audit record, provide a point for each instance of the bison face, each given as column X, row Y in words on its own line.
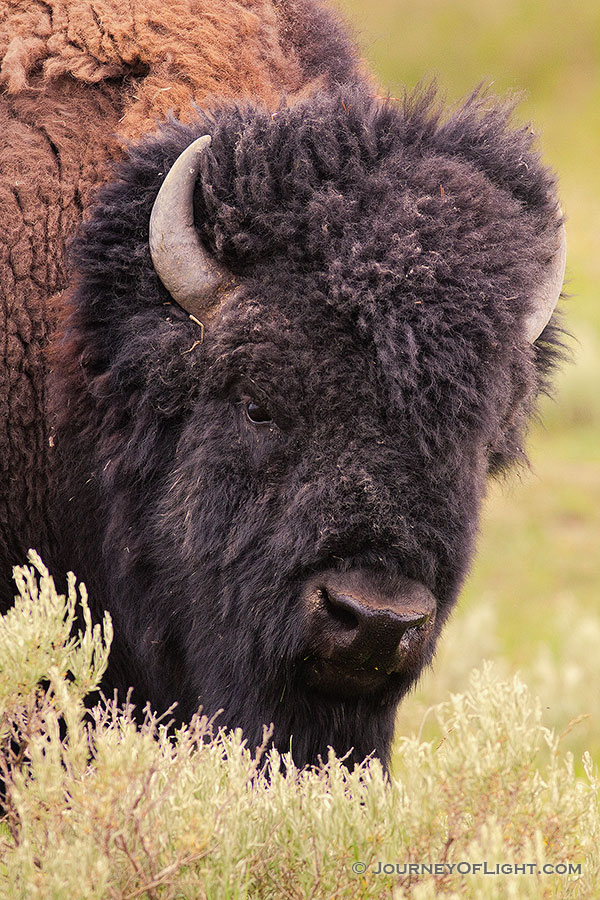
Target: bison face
column 278, row 500
column 319, row 554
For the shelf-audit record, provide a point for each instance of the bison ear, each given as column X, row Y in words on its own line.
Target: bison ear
column 548, row 291
column 192, row 277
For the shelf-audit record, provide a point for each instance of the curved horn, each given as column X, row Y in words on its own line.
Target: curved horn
column 188, row 272
column 547, row 293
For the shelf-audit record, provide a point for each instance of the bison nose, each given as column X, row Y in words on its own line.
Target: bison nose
column 360, row 629
column 359, row 623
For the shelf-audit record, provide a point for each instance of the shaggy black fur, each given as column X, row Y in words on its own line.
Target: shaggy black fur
column 386, row 257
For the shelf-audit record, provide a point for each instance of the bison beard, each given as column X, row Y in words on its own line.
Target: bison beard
column 250, row 496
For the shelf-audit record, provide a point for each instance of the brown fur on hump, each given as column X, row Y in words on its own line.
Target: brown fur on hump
column 48, row 175
column 169, row 53
column 77, row 77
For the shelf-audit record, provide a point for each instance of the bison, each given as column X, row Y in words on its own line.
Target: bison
column 299, row 328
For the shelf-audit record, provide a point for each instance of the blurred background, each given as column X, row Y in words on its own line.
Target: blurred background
column 532, row 602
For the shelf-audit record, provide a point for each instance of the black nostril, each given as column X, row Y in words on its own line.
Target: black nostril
column 338, row 610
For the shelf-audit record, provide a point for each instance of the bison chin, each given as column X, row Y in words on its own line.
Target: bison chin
column 343, row 712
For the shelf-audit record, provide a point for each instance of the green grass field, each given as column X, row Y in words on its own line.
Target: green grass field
column 532, row 601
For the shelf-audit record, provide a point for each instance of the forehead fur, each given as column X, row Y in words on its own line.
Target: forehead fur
column 418, row 236
column 343, row 155
column 387, row 206
column 421, row 234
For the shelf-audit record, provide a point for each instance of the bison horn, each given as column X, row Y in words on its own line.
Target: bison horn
column 548, row 291
column 189, row 273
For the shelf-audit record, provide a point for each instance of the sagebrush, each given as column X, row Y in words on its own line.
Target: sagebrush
column 99, row 807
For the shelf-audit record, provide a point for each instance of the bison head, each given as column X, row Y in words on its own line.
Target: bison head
column 277, row 496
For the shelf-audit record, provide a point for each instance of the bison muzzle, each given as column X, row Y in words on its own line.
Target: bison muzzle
column 363, row 632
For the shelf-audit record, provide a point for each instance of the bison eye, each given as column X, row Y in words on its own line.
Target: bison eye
column 257, row 414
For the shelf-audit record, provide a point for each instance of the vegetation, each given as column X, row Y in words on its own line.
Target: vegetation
column 99, row 808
